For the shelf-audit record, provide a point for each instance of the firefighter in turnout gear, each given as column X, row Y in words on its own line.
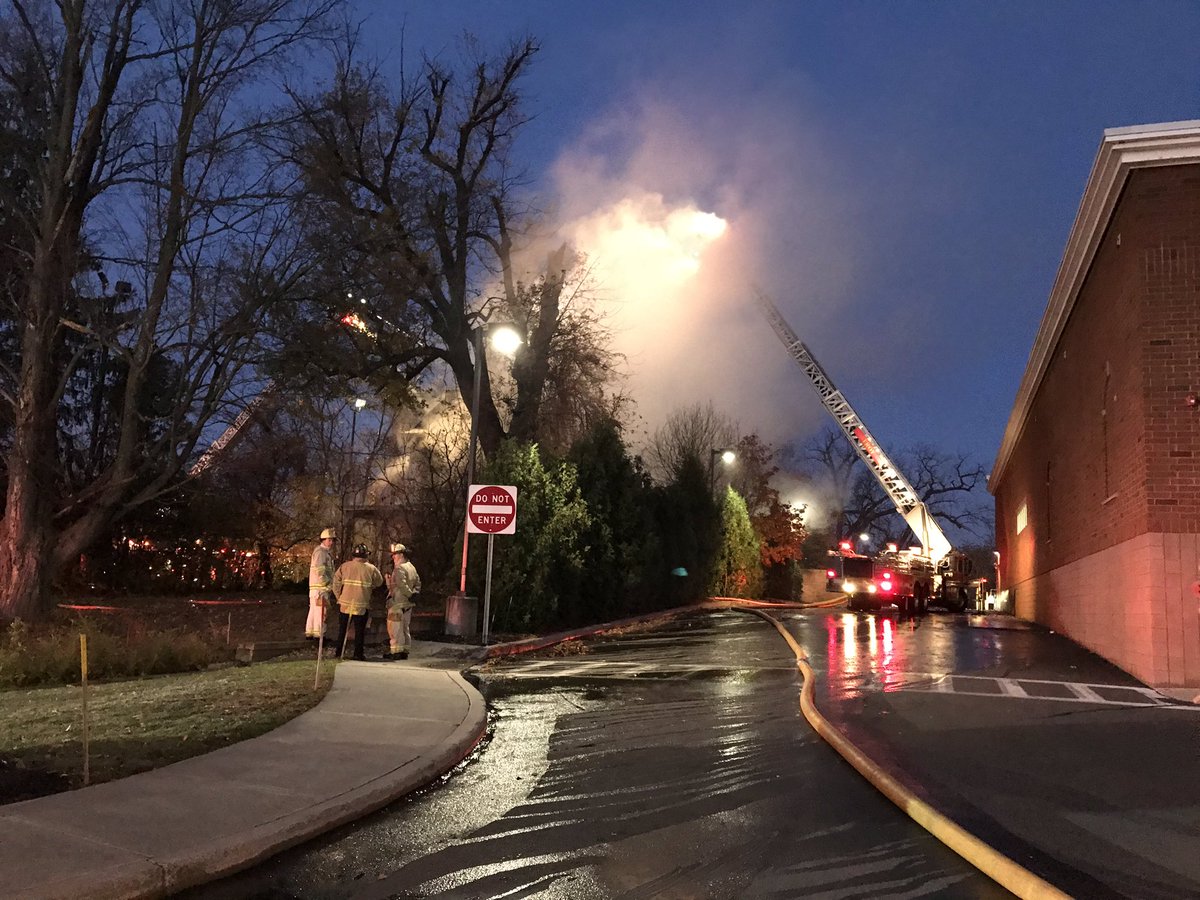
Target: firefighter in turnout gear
column 403, row 584
column 353, row 583
column 320, row 585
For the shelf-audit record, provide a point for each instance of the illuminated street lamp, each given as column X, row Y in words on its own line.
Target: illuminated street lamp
column 727, row 457
column 505, row 340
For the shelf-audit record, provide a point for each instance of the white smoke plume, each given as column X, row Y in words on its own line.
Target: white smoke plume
column 680, row 216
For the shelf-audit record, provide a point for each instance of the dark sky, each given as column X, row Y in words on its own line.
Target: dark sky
column 900, row 176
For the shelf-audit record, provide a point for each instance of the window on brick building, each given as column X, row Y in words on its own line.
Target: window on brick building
column 1022, row 517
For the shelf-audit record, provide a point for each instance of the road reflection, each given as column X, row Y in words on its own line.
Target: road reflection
column 859, row 653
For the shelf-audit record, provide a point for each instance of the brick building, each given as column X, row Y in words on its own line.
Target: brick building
column 1097, row 481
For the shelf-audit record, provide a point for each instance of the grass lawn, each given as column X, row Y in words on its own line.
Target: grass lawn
column 143, row 724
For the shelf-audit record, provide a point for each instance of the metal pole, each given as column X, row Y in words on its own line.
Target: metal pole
column 487, row 591
column 343, row 524
column 478, row 342
column 320, row 646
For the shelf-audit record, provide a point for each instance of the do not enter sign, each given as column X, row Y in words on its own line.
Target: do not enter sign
column 492, row 509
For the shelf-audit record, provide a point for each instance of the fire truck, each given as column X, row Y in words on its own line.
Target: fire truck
column 906, row 578
column 914, row 578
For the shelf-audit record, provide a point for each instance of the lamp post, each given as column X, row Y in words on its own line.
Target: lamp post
column 506, row 340
column 727, row 457
column 351, row 477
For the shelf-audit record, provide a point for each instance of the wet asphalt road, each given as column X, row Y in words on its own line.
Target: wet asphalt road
column 668, row 764
column 1047, row 752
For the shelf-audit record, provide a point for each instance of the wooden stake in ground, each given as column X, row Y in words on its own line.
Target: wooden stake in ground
column 228, row 628
column 320, row 647
column 84, row 683
column 346, row 637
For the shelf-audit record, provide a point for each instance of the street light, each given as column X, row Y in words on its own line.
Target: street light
column 505, row 340
column 727, row 457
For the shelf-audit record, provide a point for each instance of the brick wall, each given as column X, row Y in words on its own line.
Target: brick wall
column 1110, row 451
column 1171, row 352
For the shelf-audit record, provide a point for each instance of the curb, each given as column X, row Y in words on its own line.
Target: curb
column 144, row 876
column 991, row 862
column 242, row 851
column 528, row 645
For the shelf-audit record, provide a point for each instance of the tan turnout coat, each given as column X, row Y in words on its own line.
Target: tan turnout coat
column 353, row 583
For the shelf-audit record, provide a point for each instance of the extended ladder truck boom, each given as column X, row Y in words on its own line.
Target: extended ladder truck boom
column 901, row 493
column 938, row 548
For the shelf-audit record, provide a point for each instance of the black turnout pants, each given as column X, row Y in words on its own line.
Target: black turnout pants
column 360, row 631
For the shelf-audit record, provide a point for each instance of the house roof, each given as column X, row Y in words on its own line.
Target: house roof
column 1121, row 150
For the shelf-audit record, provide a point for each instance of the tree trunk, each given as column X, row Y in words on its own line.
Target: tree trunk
column 23, row 550
column 28, row 529
column 490, row 428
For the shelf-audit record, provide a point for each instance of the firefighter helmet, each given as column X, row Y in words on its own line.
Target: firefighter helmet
column 329, row 533
column 399, row 548
column 361, row 550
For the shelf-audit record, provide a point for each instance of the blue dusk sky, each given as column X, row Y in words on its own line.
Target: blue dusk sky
column 901, row 177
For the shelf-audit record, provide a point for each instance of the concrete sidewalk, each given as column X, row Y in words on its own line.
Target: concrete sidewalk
column 383, row 730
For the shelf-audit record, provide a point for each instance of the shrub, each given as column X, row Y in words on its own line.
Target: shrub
column 29, row 658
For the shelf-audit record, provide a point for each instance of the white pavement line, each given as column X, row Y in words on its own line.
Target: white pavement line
column 943, row 685
column 1011, row 688
column 1152, row 694
column 1084, row 692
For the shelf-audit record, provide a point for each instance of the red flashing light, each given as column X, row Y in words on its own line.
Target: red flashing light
column 887, row 575
column 892, row 548
column 885, row 586
column 830, row 573
column 845, row 545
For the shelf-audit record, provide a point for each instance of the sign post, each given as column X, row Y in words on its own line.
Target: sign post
column 491, row 510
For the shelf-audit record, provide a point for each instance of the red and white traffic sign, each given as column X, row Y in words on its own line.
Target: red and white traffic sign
column 492, row 509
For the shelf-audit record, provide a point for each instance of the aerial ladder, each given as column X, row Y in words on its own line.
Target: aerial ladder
column 229, row 435
column 953, row 566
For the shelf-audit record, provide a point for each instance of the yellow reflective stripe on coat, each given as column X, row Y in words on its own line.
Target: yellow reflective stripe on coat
column 353, row 583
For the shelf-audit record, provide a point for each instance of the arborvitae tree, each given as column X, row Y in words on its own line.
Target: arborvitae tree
column 738, row 569
column 620, row 537
column 690, row 531
column 534, row 569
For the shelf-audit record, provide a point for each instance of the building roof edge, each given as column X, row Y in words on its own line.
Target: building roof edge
column 1121, row 150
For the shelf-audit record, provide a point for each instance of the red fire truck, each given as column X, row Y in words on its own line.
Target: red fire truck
column 905, row 578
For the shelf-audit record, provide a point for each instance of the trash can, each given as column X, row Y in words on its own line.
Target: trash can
column 462, row 615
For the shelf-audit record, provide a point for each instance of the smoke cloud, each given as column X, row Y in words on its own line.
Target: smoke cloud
column 681, row 216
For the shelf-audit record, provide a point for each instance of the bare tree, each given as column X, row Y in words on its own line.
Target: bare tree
column 692, row 432
column 141, row 112
column 946, row 483
column 564, row 376
column 419, row 214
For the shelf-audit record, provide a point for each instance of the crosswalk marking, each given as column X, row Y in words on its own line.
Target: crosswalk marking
column 1025, row 689
column 1083, row 692
column 1010, row 688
